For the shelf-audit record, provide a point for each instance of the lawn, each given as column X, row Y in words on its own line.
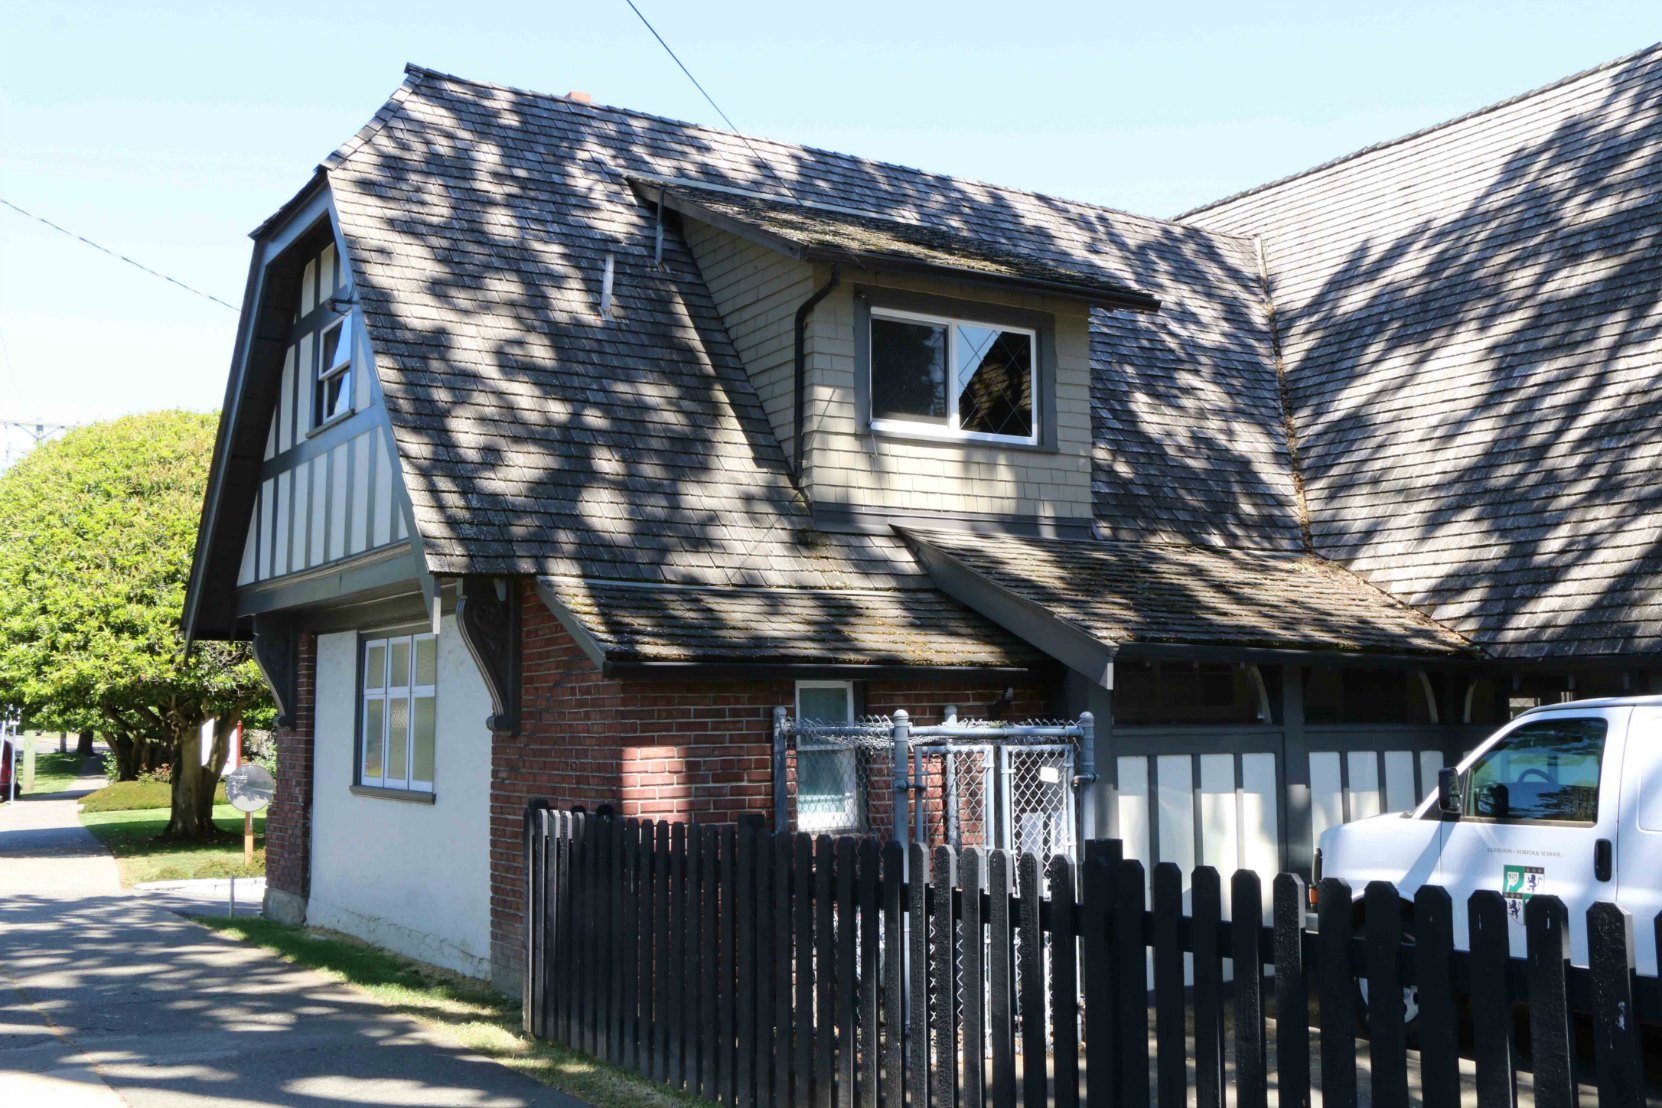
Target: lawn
column 56, row 772
column 130, row 835
column 476, row 1016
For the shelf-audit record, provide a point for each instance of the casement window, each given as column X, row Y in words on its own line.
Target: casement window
column 333, row 391
column 949, row 377
column 828, row 793
column 398, row 722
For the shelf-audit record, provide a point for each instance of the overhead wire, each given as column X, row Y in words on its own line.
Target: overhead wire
column 117, row 255
column 765, row 164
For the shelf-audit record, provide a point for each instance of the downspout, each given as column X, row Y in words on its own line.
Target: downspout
column 799, row 385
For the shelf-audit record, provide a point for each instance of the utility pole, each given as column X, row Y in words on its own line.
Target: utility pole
column 38, row 431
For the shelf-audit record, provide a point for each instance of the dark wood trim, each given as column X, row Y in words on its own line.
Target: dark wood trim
column 385, row 571
column 1262, row 655
column 487, row 615
column 408, row 796
column 807, row 671
column 276, row 653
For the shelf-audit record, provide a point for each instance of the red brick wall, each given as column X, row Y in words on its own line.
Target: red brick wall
column 677, row 749
column 288, row 825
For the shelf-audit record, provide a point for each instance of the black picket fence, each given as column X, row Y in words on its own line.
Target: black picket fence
column 758, row 968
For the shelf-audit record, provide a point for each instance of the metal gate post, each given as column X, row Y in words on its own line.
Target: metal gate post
column 1085, row 781
column 949, row 785
column 781, row 790
column 902, row 732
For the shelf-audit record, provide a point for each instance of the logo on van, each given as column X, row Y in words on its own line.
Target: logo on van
column 1518, row 884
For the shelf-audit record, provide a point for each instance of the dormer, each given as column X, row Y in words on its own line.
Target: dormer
column 913, row 372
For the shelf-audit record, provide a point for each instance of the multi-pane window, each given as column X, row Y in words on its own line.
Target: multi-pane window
column 1547, row 770
column 828, row 795
column 952, row 377
column 334, row 372
column 399, row 724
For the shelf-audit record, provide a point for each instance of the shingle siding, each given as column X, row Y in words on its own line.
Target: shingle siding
column 1472, row 327
column 757, row 291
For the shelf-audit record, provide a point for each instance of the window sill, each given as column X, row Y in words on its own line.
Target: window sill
column 408, row 796
column 337, row 418
column 947, row 438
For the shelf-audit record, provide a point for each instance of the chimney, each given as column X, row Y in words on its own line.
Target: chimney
column 579, row 97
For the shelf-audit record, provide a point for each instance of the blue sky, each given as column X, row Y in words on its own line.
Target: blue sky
column 168, row 131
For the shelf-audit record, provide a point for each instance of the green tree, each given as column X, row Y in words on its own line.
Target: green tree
column 96, row 535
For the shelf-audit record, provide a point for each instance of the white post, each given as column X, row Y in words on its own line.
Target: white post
column 233, row 898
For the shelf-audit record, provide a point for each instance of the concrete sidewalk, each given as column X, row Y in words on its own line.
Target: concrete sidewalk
column 107, row 998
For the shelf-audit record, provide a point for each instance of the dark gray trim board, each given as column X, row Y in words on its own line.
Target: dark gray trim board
column 877, row 262
column 322, row 440
column 1033, row 623
column 251, row 395
column 383, row 572
column 1042, row 324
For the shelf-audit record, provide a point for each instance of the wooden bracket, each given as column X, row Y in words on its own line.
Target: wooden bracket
column 274, row 653
column 487, row 614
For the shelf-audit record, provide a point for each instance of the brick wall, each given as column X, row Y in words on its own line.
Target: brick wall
column 654, row 749
column 288, row 827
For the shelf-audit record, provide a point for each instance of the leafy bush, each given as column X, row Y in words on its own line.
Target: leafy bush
column 112, row 767
column 126, row 796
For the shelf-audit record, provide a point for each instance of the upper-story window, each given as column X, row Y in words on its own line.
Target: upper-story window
column 951, row 377
column 334, row 372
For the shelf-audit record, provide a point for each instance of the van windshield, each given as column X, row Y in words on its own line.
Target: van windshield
column 1546, row 770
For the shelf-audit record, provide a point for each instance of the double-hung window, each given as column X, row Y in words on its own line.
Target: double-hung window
column 333, row 393
column 953, row 378
column 828, row 794
column 398, row 695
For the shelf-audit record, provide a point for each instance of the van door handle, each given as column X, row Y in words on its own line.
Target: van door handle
column 1603, row 854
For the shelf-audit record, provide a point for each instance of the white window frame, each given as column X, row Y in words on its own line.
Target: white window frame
column 951, row 431
column 325, row 374
column 851, row 819
column 389, row 691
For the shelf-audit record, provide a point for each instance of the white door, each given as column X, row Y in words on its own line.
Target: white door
column 1639, row 846
column 1536, row 801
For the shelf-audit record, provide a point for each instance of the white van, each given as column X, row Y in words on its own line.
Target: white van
column 1566, row 799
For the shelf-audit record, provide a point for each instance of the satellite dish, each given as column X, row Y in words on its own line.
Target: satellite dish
column 249, row 788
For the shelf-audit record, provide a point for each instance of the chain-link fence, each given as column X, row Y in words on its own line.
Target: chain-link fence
column 1010, row 786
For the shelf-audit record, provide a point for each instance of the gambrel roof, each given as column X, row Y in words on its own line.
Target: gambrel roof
column 1459, row 329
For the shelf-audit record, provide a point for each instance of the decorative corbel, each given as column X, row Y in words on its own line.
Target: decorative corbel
column 487, row 614
column 274, row 653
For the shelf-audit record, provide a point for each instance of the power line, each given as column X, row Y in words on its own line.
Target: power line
column 712, row 101
column 114, row 254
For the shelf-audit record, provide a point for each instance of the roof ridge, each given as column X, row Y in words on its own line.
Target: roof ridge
column 1180, row 217
column 1046, row 197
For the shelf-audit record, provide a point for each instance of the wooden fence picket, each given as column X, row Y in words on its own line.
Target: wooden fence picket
column 1491, row 1000
column 1206, row 914
column 1387, row 1041
column 1434, row 970
column 1620, row 1074
column 1547, row 947
column 1246, row 930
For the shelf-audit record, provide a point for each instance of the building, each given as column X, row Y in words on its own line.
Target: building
column 564, row 443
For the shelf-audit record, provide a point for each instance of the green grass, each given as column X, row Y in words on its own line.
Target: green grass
column 56, row 772
column 132, row 837
column 475, row 1015
column 126, row 796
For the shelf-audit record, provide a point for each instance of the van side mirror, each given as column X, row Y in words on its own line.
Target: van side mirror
column 1449, row 800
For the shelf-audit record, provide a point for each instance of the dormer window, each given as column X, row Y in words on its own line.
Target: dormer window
column 948, row 377
column 334, row 372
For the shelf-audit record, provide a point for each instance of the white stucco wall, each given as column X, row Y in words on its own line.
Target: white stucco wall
column 414, row 878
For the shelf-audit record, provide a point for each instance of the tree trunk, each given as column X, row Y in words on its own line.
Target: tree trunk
column 126, row 750
column 85, row 748
column 191, row 817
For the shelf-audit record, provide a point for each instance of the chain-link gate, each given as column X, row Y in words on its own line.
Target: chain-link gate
column 1025, row 788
